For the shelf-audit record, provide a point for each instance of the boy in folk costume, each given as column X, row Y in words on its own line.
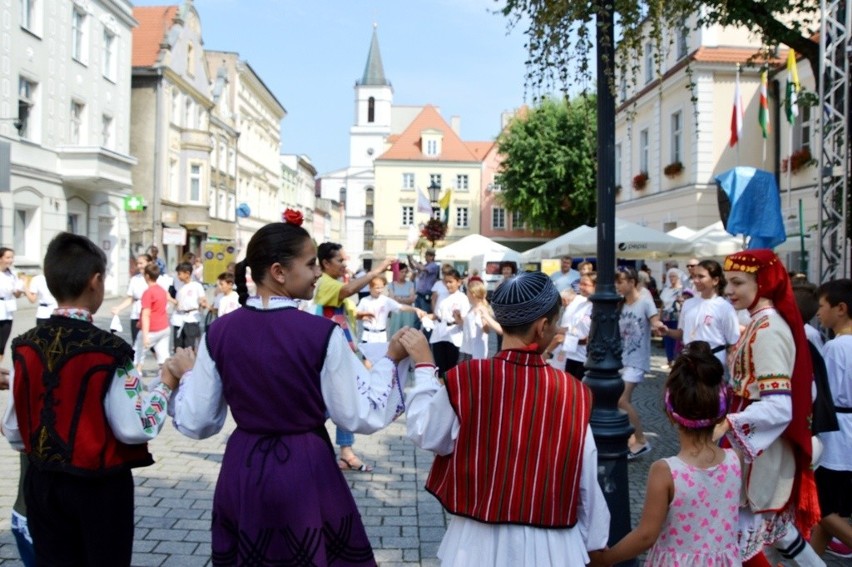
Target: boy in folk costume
column 80, row 413
column 516, row 462
column 769, row 418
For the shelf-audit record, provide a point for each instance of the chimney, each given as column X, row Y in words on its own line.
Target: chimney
column 455, row 124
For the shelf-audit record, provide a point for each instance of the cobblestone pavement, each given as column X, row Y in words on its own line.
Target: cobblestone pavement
column 404, row 522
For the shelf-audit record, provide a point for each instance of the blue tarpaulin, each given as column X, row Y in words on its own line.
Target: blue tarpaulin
column 755, row 206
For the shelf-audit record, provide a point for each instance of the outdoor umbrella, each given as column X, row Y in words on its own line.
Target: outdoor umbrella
column 465, row 248
column 633, row 241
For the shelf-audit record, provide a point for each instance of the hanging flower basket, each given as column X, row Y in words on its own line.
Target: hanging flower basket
column 434, row 230
column 797, row 161
column 640, row 180
column 673, row 169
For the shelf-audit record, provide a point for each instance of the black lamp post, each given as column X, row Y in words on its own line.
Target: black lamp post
column 434, row 191
column 610, row 425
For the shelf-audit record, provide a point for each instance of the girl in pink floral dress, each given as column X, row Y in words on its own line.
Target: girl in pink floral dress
column 692, row 499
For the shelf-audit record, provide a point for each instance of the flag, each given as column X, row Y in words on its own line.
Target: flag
column 444, row 203
column 791, row 106
column 763, row 113
column 737, row 113
column 423, row 205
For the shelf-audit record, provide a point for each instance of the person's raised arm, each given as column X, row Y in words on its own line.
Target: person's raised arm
column 355, row 284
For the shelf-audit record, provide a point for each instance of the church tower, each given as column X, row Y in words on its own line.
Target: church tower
column 373, row 100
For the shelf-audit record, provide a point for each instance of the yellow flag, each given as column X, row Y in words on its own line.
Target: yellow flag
column 445, row 200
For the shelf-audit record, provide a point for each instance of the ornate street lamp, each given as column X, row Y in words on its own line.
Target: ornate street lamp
column 610, row 425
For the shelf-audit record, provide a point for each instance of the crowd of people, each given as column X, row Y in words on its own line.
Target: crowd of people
column 762, row 470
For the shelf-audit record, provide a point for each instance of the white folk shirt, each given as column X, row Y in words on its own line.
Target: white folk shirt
column 9, row 284
column 375, row 330
column 446, row 329
column 356, row 398
column 434, row 426
column 186, row 310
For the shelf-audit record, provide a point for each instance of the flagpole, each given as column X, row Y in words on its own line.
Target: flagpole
column 739, row 96
column 790, row 166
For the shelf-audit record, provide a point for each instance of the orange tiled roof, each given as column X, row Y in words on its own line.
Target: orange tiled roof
column 154, row 22
column 740, row 55
column 407, row 145
column 480, row 149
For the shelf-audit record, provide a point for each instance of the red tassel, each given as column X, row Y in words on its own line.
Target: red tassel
column 807, row 509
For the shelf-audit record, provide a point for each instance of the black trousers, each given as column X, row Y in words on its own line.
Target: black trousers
column 446, row 356
column 77, row 520
column 188, row 336
column 575, row 368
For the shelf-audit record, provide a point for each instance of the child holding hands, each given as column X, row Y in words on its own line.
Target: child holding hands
column 692, row 499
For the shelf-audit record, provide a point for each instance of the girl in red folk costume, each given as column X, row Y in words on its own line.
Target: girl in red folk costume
column 770, row 411
column 516, row 462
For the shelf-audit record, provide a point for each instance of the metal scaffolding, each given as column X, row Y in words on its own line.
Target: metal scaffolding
column 834, row 120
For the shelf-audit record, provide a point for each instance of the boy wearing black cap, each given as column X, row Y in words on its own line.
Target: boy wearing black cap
column 516, row 464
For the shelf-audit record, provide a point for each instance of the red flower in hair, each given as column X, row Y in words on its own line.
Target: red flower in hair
column 291, row 216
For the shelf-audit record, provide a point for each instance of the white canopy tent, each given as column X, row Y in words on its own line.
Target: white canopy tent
column 548, row 249
column 465, row 248
column 713, row 241
column 633, row 241
column 682, row 232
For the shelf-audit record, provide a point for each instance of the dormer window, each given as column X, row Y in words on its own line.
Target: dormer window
column 431, row 142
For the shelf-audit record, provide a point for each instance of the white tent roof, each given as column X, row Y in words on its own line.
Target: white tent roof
column 682, row 232
column 632, row 241
column 469, row 246
column 548, row 249
column 713, row 241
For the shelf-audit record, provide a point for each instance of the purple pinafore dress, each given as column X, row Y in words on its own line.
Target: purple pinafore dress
column 281, row 498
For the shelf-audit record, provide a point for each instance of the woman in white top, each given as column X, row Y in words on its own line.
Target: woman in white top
column 11, row 288
column 37, row 292
column 578, row 326
column 709, row 316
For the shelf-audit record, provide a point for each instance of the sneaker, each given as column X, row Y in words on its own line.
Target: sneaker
column 839, row 549
column 632, row 455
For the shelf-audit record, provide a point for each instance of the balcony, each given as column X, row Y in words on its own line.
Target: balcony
column 94, row 168
column 196, row 140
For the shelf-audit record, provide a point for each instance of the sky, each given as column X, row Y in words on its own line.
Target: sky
column 454, row 54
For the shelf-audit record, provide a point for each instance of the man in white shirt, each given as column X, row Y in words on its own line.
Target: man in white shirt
column 186, row 318
column 566, row 275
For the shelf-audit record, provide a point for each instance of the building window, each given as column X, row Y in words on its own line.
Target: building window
column 223, row 205
column 368, row 235
column 371, row 110
column 677, row 137
column 431, row 147
column 28, row 15
column 407, row 215
column 106, row 131
column 109, row 55
column 78, row 34
column 498, row 218
column 188, row 115
column 190, row 59
column 435, row 179
column 25, row 232
column 73, row 225
column 462, row 182
column 618, row 165
column 517, row 220
column 174, row 180
column 408, row 181
column 211, row 202
column 195, row 183
column 368, row 201
column 232, row 207
column 802, row 129
column 643, row 150
column 649, row 62
column 681, row 39
column 462, row 217
column 76, row 121
column 436, row 212
column 26, row 107
column 175, row 106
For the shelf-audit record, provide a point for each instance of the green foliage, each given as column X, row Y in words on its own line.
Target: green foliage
column 549, row 159
column 561, row 32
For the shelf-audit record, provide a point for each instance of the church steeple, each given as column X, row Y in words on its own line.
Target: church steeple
column 374, row 72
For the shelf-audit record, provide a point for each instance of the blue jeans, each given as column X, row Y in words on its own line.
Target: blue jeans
column 669, row 343
column 344, row 438
column 23, row 539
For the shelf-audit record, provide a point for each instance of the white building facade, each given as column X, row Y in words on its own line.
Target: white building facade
column 65, row 110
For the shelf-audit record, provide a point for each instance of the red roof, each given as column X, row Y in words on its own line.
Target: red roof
column 740, row 55
column 407, row 147
column 154, row 22
column 479, row 149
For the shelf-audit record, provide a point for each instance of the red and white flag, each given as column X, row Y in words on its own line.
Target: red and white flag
column 737, row 114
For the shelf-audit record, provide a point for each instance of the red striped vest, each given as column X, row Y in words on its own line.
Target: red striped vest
column 63, row 370
column 519, row 452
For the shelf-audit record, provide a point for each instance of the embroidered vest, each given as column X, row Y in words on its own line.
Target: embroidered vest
column 518, row 455
column 63, row 370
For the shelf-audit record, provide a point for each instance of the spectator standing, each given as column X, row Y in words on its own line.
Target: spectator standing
column 566, row 275
column 425, row 275
column 11, row 288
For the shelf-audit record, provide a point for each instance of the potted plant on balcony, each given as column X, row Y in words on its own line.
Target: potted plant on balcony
column 640, row 180
column 798, row 160
column 673, row 169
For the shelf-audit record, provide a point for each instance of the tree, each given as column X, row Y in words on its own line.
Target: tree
column 560, row 32
column 549, row 157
